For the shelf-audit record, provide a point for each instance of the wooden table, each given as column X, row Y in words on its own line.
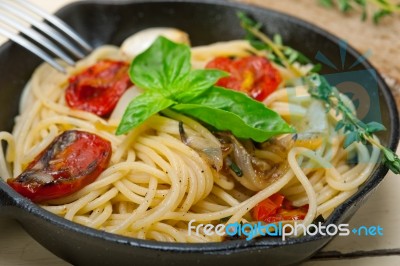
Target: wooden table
column 18, row 248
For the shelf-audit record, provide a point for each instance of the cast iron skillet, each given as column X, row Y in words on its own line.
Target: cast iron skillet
column 206, row 22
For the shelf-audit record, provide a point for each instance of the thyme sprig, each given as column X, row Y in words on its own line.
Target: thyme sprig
column 383, row 7
column 355, row 129
column 280, row 54
column 319, row 88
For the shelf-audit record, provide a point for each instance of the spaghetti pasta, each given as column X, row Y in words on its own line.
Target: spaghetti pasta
column 155, row 183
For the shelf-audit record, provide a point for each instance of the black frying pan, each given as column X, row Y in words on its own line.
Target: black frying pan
column 206, row 22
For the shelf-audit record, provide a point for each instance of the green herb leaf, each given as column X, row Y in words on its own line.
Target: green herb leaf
column 196, row 83
column 355, row 129
column 363, row 5
column 382, row 7
column 278, row 39
column 141, row 108
column 378, row 15
column 361, row 2
column 344, row 5
column 230, row 110
column 319, row 88
column 339, row 125
column 350, row 138
column 164, row 72
column 391, row 160
column 326, row 3
column 278, row 52
column 162, row 66
column 258, row 45
column 245, row 20
column 375, row 127
column 236, row 169
column 316, row 68
column 389, row 155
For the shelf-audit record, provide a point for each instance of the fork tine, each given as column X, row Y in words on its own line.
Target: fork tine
column 33, row 48
column 38, row 38
column 56, row 22
column 17, row 11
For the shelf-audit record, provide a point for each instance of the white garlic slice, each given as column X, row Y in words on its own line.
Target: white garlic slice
column 142, row 40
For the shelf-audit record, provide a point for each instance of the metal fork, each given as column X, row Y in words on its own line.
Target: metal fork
column 67, row 49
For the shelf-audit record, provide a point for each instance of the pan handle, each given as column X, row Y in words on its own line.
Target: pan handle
column 7, row 200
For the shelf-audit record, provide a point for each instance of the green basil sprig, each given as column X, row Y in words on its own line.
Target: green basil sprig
column 164, row 73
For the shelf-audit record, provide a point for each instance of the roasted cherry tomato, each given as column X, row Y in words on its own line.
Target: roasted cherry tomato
column 276, row 208
column 98, row 88
column 73, row 160
column 268, row 207
column 253, row 75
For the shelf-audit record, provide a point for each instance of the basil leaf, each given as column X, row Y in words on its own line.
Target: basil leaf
column 163, row 65
column 164, row 72
column 234, row 111
column 196, row 83
column 141, row 108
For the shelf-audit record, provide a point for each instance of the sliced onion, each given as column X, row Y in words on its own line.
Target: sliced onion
column 243, row 160
column 124, row 101
column 210, row 151
column 257, row 172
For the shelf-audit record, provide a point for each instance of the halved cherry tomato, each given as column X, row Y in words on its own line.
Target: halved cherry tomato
column 253, row 75
column 73, row 160
column 268, row 207
column 98, row 88
column 276, row 208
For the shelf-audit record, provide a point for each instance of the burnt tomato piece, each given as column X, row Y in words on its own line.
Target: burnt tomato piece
column 73, row 160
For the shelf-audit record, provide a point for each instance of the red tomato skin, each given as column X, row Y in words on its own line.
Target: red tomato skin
column 98, row 88
column 268, row 207
column 254, row 75
column 276, row 208
column 73, row 160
